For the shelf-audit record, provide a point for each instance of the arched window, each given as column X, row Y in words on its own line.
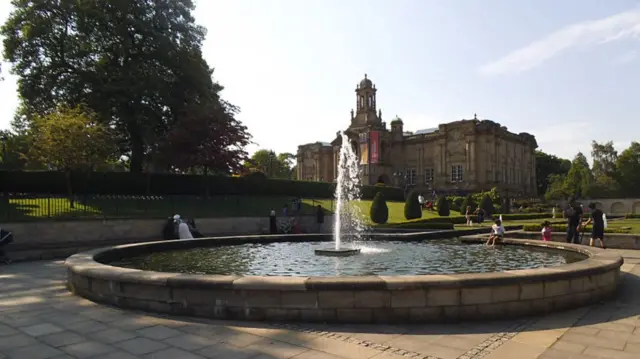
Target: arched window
column 370, row 102
column 361, row 101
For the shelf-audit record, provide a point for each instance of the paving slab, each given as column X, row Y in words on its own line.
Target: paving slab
column 40, row 319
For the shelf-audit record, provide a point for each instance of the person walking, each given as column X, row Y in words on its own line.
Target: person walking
column 573, row 213
column 320, row 219
column 597, row 230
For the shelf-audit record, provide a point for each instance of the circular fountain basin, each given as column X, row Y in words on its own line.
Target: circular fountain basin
column 365, row 298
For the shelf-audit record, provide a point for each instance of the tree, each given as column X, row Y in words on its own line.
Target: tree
column 13, row 152
column 579, row 179
column 628, row 168
column 70, row 139
column 272, row 164
column 547, row 165
column 467, row 202
column 556, row 188
column 197, row 142
column 487, row 205
column 443, row 206
column 412, row 209
column 137, row 64
column 605, row 158
column 604, row 186
column 379, row 211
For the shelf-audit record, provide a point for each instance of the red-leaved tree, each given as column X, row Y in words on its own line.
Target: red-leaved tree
column 208, row 137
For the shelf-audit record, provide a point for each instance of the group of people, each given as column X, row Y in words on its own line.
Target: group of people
column 288, row 225
column 478, row 214
column 574, row 214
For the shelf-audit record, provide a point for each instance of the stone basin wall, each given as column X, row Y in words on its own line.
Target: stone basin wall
column 365, row 299
column 611, row 240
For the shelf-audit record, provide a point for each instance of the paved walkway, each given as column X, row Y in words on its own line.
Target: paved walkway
column 39, row 319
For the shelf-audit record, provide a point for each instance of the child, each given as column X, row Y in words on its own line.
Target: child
column 467, row 215
column 497, row 232
column 546, row 231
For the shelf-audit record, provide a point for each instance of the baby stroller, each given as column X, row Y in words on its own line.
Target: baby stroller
column 6, row 237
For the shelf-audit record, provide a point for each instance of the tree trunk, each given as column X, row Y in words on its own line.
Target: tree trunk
column 137, row 155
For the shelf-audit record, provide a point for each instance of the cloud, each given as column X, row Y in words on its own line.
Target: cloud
column 617, row 27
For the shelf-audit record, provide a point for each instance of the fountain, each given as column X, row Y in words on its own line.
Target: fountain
column 347, row 217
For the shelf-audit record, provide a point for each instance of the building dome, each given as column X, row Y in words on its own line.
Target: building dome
column 396, row 121
column 365, row 83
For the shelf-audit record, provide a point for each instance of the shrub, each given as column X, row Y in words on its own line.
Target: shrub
column 443, row 207
column 412, row 208
column 420, row 225
column 379, row 211
column 467, row 202
column 632, row 216
column 563, row 228
column 487, row 205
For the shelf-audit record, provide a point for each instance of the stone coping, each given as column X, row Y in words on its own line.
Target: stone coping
column 354, row 299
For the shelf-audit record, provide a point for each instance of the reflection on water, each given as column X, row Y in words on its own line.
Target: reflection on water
column 376, row 258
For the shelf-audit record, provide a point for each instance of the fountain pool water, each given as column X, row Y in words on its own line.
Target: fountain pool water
column 347, row 217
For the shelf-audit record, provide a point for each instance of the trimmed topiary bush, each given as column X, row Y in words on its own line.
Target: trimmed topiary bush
column 412, row 208
column 443, row 207
column 487, row 205
column 379, row 211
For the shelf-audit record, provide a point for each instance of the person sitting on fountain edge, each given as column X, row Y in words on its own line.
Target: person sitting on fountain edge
column 497, row 232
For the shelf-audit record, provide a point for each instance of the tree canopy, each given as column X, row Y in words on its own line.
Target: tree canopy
column 137, row 65
column 271, row 164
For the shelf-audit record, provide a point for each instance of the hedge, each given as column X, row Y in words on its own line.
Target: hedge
column 418, row 225
column 462, row 220
column 159, row 184
column 632, row 216
column 563, row 228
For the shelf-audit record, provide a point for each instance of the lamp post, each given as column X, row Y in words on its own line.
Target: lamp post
column 272, row 155
column 405, row 184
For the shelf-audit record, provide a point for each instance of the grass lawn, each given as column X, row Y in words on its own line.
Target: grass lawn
column 633, row 223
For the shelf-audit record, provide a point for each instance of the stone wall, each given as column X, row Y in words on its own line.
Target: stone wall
column 359, row 299
column 54, row 239
column 614, row 205
column 611, row 240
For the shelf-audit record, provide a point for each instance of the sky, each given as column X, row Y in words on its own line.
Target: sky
column 565, row 71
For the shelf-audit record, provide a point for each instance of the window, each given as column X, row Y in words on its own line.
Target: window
column 369, row 102
column 411, row 176
column 428, row 175
column 456, row 173
column 361, row 101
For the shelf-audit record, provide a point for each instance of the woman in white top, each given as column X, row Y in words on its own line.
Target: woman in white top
column 497, row 232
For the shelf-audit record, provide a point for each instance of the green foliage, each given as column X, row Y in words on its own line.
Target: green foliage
column 443, row 207
column 487, row 205
column 412, row 208
column 379, row 212
column 562, row 228
column 546, row 166
column 144, row 75
column 468, row 202
column 69, row 139
column 159, row 184
column 628, row 168
column 271, row 164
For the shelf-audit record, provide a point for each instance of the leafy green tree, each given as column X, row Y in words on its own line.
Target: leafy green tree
column 487, row 205
column 546, row 166
column 628, row 168
column 556, row 188
column 412, row 208
column 579, row 179
column 605, row 158
column 379, row 212
column 70, row 139
column 443, row 206
column 137, row 64
column 271, row 164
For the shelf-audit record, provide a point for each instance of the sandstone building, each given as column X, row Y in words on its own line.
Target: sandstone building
column 457, row 157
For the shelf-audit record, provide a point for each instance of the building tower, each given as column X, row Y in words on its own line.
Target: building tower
column 365, row 105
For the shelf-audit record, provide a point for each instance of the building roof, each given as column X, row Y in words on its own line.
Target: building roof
column 426, row 131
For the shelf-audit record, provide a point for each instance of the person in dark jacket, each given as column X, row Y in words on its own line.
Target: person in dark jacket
column 273, row 223
column 320, row 218
column 573, row 213
column 597, row 230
